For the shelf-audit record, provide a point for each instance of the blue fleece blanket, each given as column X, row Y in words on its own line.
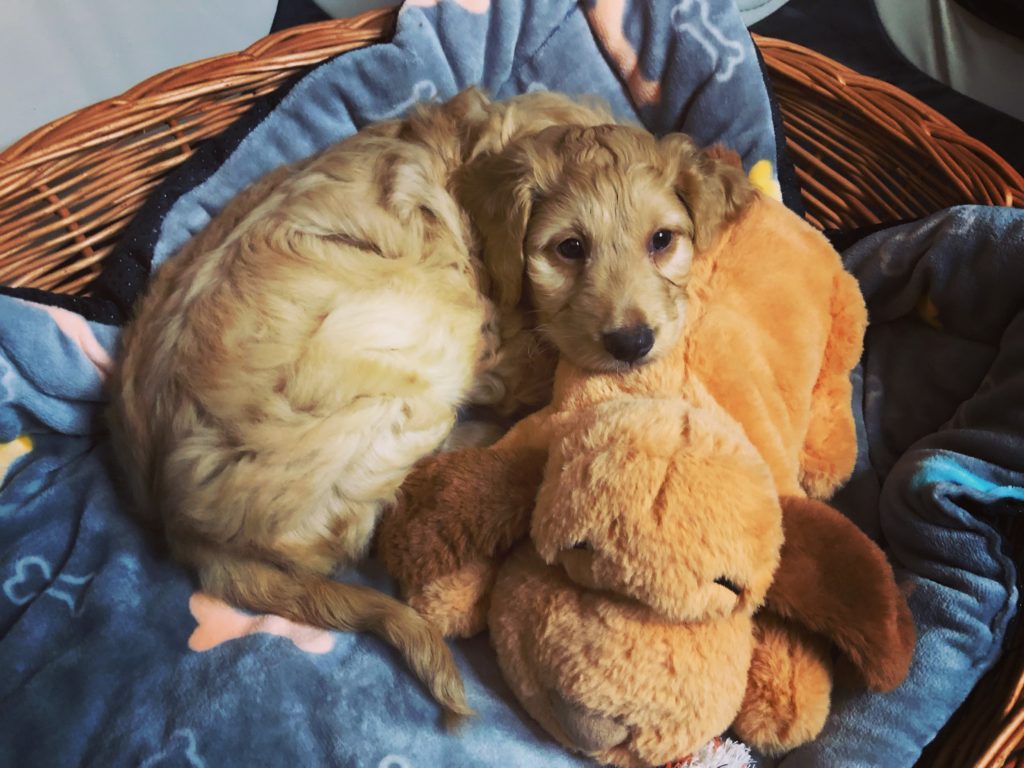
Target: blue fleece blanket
column 939, row 402
column 110, row 655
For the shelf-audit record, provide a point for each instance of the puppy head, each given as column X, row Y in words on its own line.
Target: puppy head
column 596, row 228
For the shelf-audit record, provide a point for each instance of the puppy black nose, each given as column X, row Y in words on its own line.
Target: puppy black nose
column 629, row 344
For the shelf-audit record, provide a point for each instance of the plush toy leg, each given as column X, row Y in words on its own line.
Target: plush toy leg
column 458, row 602
column 456, row 517
column 589, row 731
column 788, row 688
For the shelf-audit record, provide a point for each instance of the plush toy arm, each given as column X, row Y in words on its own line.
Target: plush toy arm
column 457, row 514
column 830, row 446
column 835, row 581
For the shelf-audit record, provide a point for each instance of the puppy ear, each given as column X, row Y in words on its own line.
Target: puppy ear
column 726, row 155
column 836, row 582
column 498, row 192
column 711, row 186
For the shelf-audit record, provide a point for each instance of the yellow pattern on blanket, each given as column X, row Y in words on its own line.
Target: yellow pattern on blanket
column 12, row 451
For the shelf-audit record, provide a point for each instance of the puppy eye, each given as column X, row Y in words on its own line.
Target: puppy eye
column 571, row 249
column 660, row 240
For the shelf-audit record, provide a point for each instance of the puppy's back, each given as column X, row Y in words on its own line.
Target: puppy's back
column 287, row 368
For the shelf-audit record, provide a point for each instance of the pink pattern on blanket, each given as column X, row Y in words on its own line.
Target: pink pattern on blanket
column 473, row 6
column 77, row 329
column 218, row 623
column 607, row 19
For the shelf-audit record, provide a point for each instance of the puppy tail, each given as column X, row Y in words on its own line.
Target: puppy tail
column 309, row 598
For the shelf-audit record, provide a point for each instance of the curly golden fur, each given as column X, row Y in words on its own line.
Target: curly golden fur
column 288, row 367
column 633, row 210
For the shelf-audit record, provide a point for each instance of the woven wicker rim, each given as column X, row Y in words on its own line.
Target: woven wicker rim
column 69, row 188
column 864, row 151
column 867, row 152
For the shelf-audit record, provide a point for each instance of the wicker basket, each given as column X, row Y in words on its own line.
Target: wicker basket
column 864, row 151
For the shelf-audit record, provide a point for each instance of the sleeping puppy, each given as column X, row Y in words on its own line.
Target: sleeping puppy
column 288, row 366
column 589, row 233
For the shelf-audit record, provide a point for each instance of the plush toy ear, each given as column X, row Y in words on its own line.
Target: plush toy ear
column 713, row 190
column 836, row 581
column 498, row 191
column 830, row 446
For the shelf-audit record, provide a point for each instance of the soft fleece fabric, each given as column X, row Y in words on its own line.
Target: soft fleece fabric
column 940, row 409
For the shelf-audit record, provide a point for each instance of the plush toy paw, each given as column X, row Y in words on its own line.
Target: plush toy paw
column 788, row 687
column 607, row 676
column 457, row 602
column 590, row 731
column 457, row 514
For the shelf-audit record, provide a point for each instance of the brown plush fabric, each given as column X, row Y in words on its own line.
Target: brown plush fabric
column 834, row 581
column 640, row 482
column 652, row 498
column 781, row 326
column 672, row 685
column 789, row 686
column 486, row 496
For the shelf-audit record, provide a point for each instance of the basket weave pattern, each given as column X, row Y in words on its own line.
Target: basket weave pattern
column 864, row 151
column 68, row 189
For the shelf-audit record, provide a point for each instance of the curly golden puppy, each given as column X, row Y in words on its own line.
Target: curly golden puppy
column 589, row 233
column 287, row 368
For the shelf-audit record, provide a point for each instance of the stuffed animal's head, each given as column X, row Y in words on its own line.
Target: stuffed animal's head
column 596, row 227
column 661, row 501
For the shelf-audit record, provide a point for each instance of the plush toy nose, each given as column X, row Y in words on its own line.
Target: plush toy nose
column 629, row 344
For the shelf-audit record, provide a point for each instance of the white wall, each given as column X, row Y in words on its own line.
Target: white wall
column 958, row 49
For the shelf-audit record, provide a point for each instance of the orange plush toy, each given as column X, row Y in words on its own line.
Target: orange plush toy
column 648, row 551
